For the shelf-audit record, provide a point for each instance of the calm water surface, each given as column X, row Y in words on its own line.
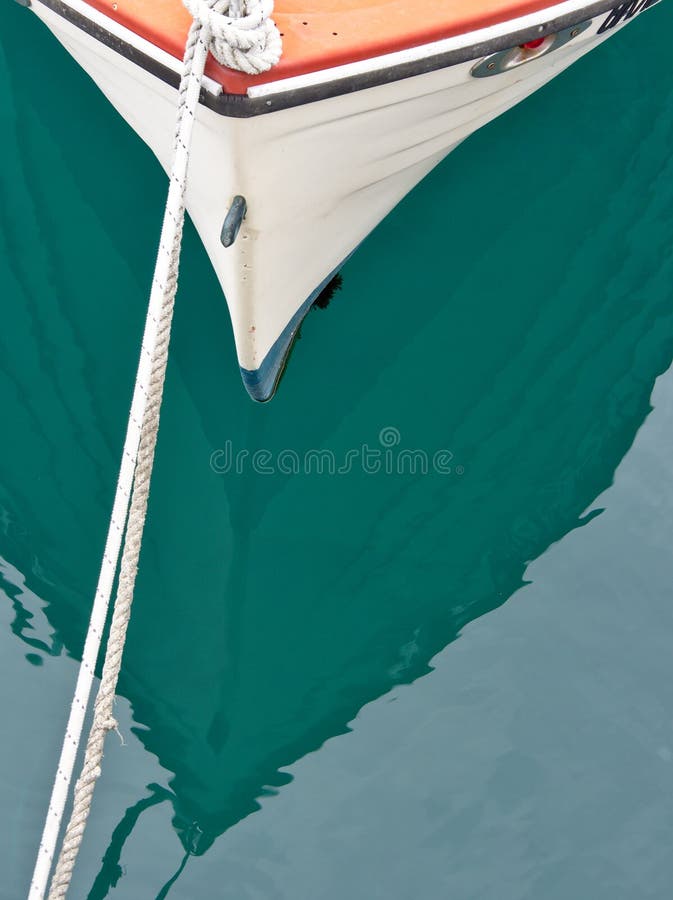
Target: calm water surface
column 365, row 685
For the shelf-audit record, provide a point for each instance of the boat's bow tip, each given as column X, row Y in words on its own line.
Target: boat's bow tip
column 261, row 382
column 260, row 387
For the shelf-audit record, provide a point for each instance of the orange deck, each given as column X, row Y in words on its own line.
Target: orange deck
column 318, row 34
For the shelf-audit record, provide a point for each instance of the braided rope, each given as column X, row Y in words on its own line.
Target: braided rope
column 133, row 486
column 246, row 39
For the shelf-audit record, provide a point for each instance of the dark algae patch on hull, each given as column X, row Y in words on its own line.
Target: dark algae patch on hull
column 523, row 334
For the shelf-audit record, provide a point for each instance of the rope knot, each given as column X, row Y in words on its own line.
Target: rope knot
column 242, row 34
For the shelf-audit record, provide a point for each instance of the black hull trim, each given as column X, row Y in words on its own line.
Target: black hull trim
column 242, row 107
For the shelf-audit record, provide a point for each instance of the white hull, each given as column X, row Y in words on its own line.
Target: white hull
column 317, row 177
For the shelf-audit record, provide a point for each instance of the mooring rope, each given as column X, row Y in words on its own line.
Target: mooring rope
column 243, row 35
column 254, row 48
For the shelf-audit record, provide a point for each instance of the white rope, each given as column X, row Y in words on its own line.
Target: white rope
column 246, row 39
column 136, row 466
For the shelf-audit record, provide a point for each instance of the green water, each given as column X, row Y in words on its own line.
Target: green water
column 300, row 718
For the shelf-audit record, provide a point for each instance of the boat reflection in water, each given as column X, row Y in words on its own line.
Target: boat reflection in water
column 271, row 607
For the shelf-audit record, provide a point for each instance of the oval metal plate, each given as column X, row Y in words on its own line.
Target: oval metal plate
column 519, row 56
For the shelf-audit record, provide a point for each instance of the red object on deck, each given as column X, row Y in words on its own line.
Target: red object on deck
column 319, row 34
column 533, row 45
